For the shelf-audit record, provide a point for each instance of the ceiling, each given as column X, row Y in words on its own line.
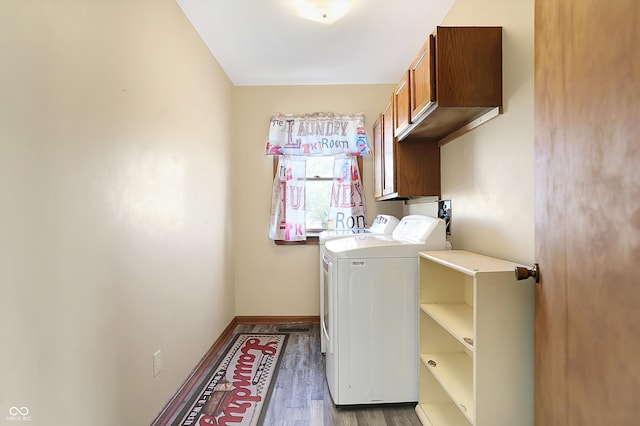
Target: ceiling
column 263, row 42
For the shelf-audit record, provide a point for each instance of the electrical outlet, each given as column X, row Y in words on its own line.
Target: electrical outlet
column 157, row 362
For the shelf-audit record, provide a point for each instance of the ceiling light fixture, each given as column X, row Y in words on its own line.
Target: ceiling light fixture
column 324, row 11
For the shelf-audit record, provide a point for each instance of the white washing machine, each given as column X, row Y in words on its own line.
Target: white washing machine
column 372, row 330
column 382, row 224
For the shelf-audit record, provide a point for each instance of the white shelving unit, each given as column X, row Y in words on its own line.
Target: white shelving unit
column 475, row 341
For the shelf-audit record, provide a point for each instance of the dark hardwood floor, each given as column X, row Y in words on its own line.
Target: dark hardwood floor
column 300, row 395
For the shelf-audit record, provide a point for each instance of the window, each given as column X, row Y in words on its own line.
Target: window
column 333, row 199
column 318, row 190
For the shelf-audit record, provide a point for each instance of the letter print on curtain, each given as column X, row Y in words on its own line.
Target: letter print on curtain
column 317, row 134
column 295, row 137
column 288, row 214
column 347, row 210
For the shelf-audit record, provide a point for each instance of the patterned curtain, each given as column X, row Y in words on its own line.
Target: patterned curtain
column 319, row 133
column 293, row 138
column 288, row 215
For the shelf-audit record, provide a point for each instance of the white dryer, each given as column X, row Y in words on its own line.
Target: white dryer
column 372, row 332
column 382, row 224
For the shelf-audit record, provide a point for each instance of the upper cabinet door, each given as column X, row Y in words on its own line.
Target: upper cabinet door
column 388, row 149
column 377, row 157
column 422, row 77
column 401, row 107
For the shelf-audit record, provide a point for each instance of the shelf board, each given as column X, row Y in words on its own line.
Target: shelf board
column 456, row 318
column 454, row 372
column 441, row 415
column 467, row 262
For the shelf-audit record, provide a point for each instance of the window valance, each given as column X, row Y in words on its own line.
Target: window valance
column 320, row 133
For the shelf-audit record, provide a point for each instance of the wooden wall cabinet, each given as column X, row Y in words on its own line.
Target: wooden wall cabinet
column 454, row 84
column 476, row 331
column 409, row 169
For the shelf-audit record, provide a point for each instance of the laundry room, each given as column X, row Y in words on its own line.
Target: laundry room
column 143, row 182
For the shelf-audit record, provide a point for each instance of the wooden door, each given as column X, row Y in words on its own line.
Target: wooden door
column 587, row 179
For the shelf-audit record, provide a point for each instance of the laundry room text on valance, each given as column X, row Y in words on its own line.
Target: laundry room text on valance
column 320, row 133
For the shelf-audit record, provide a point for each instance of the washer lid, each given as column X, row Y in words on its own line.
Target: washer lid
column 341, row 233
column 417, row 228
column 373, row 246
column 382, row 224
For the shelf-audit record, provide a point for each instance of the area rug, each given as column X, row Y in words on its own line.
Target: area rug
column 239, row 387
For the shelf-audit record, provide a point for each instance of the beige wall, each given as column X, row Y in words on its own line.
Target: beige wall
column 114, row 194
column 283, row 280
column 488, row 173
column 119, row 234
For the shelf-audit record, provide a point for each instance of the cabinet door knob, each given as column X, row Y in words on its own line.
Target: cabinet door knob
column 522, row 272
